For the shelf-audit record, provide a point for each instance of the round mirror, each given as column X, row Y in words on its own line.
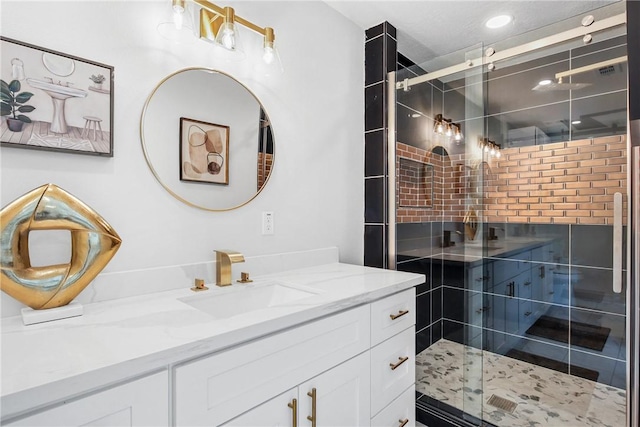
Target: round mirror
column 207, row 139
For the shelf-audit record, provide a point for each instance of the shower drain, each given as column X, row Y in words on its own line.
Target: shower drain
column 502, row 403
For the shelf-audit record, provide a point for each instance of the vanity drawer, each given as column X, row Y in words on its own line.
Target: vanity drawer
column 214, row 389
column 393, row 369
column 392, row 314
column 400, row 412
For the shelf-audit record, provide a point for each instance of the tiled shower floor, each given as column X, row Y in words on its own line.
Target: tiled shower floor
column 544, row 397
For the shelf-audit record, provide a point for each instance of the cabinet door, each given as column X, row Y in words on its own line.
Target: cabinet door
column 341, row 395
column 504, row 312
column 277, row 412
column 144, row 402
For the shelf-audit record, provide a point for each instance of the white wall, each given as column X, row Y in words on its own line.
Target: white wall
column 316, row 107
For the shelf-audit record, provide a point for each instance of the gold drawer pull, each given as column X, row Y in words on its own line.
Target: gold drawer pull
column 403, row 422
column 294, row 407
column 402, row 360
column 400, row 314
column 312, row 417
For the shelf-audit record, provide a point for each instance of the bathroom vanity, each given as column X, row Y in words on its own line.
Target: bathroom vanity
column 325, row 345
column 502, row 288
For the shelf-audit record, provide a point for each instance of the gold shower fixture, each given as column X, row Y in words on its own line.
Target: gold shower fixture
column 219, row 25
column 443, row 126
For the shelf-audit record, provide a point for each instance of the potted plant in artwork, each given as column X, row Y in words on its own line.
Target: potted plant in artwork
column 97, row 80
column 13, row 102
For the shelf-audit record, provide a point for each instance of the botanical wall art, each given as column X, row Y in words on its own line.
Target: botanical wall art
column 54, row 101
column 204, row 152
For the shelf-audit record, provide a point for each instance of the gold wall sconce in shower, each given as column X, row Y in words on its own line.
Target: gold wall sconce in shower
column 221, row 27
column 490, row 147
column 444, row 126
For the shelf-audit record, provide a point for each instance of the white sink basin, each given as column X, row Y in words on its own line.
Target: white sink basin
column 241, row 299
column 57, row 91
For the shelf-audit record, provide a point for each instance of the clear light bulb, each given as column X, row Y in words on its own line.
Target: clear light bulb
column 493, row 151
column 178, row 17
column 268, row 55
column 228, row 38
column 449, row 133
column 498, row 154
column 458, row 136
column 439, row 128
column 486, row 148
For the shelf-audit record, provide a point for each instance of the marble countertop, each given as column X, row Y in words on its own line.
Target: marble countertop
column 472, row 252
column 120, row 339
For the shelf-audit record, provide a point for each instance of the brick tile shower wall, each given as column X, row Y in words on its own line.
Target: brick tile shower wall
column 448, row 187
column 569, row 182
column 264, row 169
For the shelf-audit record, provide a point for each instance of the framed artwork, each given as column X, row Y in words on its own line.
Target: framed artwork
column 54, row 101
column 204, row 152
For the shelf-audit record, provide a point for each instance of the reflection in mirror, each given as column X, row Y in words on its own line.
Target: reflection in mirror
column 265, row 149
column 229, row 161
column 440, row 150
column 415, row 182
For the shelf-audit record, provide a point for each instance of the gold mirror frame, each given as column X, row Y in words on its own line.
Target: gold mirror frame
column 155, row 172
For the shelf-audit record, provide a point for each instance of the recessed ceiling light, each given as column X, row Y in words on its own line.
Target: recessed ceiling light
column 498, row 21
column 544, row 82
column 576, row 122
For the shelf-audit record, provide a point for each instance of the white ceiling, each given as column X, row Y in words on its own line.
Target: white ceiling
column 431, row 28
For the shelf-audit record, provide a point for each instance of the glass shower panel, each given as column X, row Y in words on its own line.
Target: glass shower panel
column 550, row 201
column 438, row 125
column 518, row 323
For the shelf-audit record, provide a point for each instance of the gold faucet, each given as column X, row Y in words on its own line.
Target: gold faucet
column 224, row 259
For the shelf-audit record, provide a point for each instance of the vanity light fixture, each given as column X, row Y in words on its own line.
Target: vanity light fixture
column 444, row 126
column 178, row 27
column 490, row 147
column 178, row 13
column 220, row 25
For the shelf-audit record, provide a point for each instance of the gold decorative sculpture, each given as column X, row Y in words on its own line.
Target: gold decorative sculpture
column 93, row 243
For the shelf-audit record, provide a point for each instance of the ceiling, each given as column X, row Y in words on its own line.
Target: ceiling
column 431, row 28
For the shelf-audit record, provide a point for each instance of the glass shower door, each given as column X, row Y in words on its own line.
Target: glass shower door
column 522, row 319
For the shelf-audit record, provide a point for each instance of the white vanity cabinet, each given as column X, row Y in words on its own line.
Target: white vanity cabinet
column 142, row 402
column 329, row 372
column 217, row 388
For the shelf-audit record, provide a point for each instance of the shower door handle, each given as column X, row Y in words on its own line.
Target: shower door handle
column 617, row 243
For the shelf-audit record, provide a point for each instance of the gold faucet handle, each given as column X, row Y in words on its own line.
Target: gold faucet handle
column 244, row 278
column 199, row 286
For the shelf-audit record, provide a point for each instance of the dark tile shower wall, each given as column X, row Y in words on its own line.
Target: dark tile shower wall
column 380, row 58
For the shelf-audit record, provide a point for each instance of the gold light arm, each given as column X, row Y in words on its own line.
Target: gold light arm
column 222, row 12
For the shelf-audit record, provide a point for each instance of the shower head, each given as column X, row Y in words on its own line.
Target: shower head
column 603, row 67
column 549, row 86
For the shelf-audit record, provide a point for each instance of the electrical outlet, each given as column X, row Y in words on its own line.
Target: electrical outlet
column 267, row 223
